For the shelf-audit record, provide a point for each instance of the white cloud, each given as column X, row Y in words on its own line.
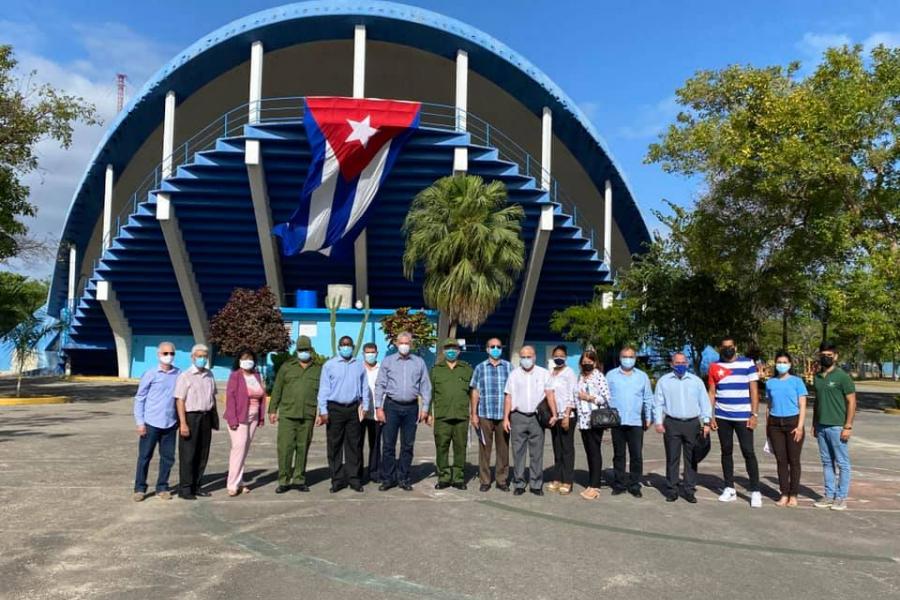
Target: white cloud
column 891, row 39
column 650, row 120
column 591, row 110
column 813, row 45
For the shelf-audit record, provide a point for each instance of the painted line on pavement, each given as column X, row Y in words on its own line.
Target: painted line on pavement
column 684, row 538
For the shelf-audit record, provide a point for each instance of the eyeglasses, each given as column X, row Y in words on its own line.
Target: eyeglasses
column 497, row 347
column 167, row 353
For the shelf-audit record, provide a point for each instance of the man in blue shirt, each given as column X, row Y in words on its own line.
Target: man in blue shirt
column 631, row 395
column 342, row 391
column 681, row 408
column 154, row 416
column 487, row 385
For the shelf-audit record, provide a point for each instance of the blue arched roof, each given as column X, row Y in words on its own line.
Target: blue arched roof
column 320, row 20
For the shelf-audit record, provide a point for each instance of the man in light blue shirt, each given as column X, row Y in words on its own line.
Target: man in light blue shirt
column 632, row 396
column 343, row 396
column 156, row 421
column 681, row 408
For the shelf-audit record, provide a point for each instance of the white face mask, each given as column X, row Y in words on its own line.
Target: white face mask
column 167, row 359
column 403, row 349
column 247, row 364
column 526, row 362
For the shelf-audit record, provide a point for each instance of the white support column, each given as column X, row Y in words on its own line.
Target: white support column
column 184, row 272
column 360, row 245
column 462, row 89
column 70, row 298
column 119, row 325
column 256, row 79
column 106, row 234
column 607, row 225
column 259, row 193
column 530, row 280
column 546, row 147
column 168, row 135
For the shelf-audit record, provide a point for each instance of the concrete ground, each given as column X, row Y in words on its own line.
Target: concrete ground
column 71, row 530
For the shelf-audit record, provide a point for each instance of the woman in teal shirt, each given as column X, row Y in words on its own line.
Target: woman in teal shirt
column 786, row 394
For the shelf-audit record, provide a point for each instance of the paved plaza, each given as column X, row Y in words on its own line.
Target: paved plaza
column 71, row 530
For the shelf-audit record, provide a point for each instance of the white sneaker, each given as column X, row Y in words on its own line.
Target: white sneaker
column 839, row 504
column 755, row 500
column 729, row 495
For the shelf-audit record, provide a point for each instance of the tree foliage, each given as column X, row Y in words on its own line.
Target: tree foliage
column 20, row 296
column 250, row 320
column 25, row 338
column 416, row 323
column 469, row 242
column 604, row 326
column 29, row 113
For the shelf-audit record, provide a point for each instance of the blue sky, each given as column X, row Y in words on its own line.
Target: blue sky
column 620, row 61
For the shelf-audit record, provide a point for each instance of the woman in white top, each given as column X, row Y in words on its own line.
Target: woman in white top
column 591, row 392
column 563, row 431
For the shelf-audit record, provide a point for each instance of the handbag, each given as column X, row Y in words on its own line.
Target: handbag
column 605, row 417
column 544, row 414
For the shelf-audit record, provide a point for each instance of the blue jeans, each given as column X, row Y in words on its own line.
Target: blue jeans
column 399, row 418
column 146, row 445
column 834, row 454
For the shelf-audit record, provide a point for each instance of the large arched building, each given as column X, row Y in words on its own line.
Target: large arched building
column 176, row 206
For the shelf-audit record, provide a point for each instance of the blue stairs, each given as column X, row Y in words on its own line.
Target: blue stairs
column 211, row 196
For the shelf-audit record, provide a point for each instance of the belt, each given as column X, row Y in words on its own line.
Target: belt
column 351, row 403
column 389, row 399
column 688, row 420
column 531, row 414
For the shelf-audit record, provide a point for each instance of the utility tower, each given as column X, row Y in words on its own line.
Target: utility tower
column 121, row 78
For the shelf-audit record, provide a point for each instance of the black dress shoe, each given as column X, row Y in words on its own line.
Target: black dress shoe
column 186, row 496
column 302, row 487
column 203, row 494
column 484, row 487
column 618, row 491
column 636, row 492
column 671, row 497
column 282, row 489
column 406, row 486
column 335, row 488
column 691, row 498
column 503, row 488
column 386, row 486
column 537, row 491
column 460, row 486
column 357, row 488
column 519, row 491
column 441, row 485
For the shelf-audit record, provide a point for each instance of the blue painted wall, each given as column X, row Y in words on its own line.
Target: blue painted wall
column 143, row 354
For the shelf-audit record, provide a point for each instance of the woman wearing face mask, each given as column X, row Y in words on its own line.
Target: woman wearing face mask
column 563, row 433
column 591, row 392
column 784, row 425
column 245, row 399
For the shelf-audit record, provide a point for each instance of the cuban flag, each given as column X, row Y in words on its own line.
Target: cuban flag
column 354, row 143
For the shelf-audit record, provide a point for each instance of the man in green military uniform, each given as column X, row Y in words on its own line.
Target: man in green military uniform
column 450, row 415
column 294, row 407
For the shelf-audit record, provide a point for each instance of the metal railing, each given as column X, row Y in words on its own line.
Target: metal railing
column 290, row 109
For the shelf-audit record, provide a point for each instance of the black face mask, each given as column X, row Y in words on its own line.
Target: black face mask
column 587, row 368
column 826, row 361
column 559, row 361
column 728, row 353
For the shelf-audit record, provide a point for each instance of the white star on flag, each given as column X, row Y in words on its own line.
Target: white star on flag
column 362, row 131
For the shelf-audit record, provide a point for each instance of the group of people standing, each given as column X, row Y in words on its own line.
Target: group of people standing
column 367, row 404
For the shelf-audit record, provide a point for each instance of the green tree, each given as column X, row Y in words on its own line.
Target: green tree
column 29, row 113
column 20, row 296
column 469, row 242
column 404, row 320
column 25, row 338
column 603, row 325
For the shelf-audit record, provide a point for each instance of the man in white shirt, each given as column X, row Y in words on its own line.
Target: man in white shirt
column 371, row 427
column 526, row 387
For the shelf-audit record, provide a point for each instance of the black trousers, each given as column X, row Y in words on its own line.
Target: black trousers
column 343, row 434
column 563, row 452
column 371, row 433
column 632, row 438
column 727, row 429
column 193, row 451
column 779, row 430
column 592, row 440
column 680, row 439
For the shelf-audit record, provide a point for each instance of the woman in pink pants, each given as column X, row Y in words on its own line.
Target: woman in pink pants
column 245, row 407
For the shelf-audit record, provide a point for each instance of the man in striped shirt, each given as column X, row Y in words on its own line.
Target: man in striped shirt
column 735, row 401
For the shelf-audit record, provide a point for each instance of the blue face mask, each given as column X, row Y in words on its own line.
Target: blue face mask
column 371, row 357
column 345, row 351
column 200, row 362
column 451, row 354
column 495, row 353
column 680, row 370
column 304, row 355
column 627, row 362
column 782, row 368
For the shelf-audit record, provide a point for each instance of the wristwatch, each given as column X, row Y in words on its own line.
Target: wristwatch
column 848, row 428
column 705, row 421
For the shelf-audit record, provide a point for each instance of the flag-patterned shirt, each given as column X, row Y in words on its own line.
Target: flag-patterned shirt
column 732, row 384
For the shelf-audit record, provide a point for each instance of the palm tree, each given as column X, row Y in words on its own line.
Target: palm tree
column 469, row 242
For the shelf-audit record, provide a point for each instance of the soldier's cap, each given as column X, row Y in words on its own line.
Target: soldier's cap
column 304, row 343
column 450, row 342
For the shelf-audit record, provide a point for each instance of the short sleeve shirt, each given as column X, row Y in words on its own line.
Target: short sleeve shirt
column 527, row 388
column 831, row 391
column 197, row 388
column 732, row 382
column 784, row 395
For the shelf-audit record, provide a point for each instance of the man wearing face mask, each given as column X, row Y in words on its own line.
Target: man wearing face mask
column 450, row 414
column 735, row 399
column 833, row 416
column 681, row 410
column 293, row 407
column 371, row 427
column 402, row 380
column 487, row 385
column 343, row 393
column 155, row 418
column 631, row 395
column 195, row 399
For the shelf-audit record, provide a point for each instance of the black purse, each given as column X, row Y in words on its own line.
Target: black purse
column 544, row 414
column 605, row 417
